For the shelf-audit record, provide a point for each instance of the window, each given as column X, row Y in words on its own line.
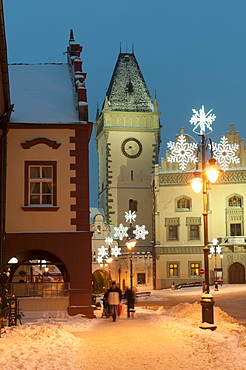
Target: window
column 172, row 225
column 141, row 278
column 173, row 269
column 193, row 227
column 235, row 229
column 173, row 232
column 133, row 205
column 235, row 201
column 194, row 232
column 40, row 184
column 194, row 269
column 183, row 204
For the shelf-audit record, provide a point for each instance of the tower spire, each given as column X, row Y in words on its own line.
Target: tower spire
column 71, row 36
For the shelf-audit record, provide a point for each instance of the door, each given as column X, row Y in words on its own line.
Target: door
column 236, row 274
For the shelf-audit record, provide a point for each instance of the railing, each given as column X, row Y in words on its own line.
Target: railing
column 39, row 290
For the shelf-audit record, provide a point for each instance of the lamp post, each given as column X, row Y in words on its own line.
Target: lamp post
column 132, row 235
column 131, row 243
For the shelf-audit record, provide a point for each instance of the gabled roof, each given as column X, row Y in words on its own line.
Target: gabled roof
column 42, row 93
column 127, row 90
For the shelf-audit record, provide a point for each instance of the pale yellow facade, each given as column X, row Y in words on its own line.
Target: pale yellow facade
column 18, row 220
column 179, row 229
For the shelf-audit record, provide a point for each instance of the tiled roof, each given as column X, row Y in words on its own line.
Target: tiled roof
column 127, row 90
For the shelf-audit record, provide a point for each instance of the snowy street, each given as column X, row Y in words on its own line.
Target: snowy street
column 156, row 338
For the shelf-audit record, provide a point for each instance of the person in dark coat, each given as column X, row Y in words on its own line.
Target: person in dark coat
column 114, row 296
column 130, row 298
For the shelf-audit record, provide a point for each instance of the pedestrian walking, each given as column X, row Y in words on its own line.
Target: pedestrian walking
column 113, row 296
column 130, row 298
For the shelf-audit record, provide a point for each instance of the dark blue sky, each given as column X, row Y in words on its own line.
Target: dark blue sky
column 192, row 52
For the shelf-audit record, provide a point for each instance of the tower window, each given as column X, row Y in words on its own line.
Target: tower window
column 131, row 175
column 133, row 205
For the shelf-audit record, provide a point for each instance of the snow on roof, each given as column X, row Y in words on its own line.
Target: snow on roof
column 42, row 93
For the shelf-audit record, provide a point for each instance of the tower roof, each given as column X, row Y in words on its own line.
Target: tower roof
column 127, row 89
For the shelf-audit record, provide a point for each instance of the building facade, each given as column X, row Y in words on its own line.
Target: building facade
column 47, row 214
column 179, row 236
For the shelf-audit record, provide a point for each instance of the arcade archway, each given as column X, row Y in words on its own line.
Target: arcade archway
column 100, row 281
column 37, row 273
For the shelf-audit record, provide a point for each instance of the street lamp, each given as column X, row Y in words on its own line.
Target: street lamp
column 131, row 243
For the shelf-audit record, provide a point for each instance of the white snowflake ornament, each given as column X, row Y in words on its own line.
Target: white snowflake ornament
column 225, row 153
column 130, row 216
column 99, row 259
column 116, row 251
column 108, row 240
column 102, row 251
column 140, row 232
column 182, row 152
column 202, row 120
column 120, row 232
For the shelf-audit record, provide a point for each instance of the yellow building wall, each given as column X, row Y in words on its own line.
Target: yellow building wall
column 16, row 218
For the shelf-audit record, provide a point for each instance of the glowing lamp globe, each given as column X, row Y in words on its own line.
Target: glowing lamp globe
column 196, row 184
column 212, row 171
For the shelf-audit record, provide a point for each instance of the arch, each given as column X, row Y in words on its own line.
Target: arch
column 25, row 257
column 100, row 281
column 236, row 273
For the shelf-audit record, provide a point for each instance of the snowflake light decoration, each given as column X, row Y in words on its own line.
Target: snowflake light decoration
column 130, row 216
column 120, row 232
column 140, row 232
column 108, row 240
column 102, row 251
column 116, row 251
column 99, row 259
column 182, row 152
column 202, row 120
column 224, row 153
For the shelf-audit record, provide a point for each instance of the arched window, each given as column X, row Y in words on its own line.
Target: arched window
column 235, row 201
column 183, row 204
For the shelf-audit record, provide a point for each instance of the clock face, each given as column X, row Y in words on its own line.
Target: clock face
column 131, row 148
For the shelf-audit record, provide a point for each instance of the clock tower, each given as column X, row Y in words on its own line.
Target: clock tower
column 128, row 139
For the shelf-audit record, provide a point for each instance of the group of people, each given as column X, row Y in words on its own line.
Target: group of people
column 113, row 297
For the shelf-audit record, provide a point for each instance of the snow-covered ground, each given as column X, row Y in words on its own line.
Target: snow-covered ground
column 153, row 339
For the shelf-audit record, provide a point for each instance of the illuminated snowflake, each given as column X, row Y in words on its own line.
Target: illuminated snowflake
column 182, row 152
column 224, row 153
column 140, row 232
column 130, row 216
column 102, row 251
column 100, row 259
column 202, row 120
column 120, row 232
column 116, row 251
column 108, row 240
column 215, row 249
